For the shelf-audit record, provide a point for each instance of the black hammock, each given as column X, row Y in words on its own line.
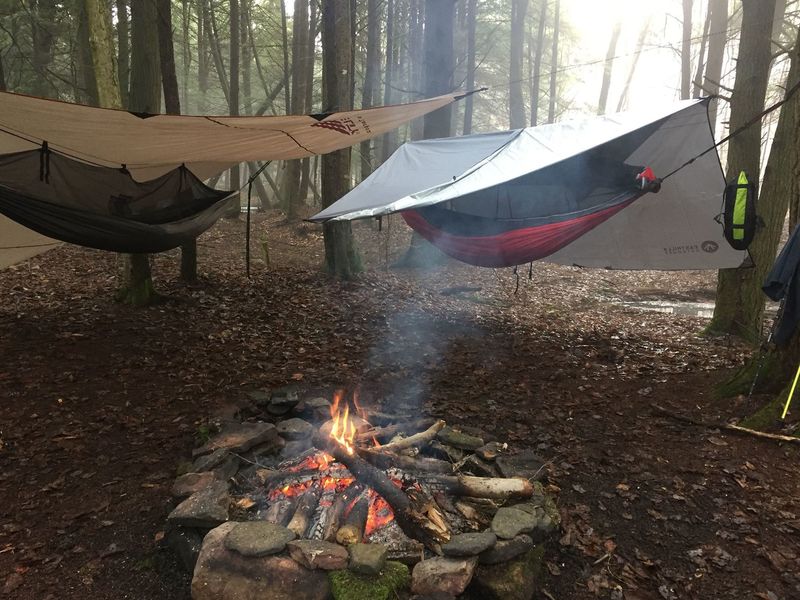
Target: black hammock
column 103, row 207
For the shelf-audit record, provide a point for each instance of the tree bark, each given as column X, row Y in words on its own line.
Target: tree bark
column 371, row 77
column 292, row 172
column 780, row 189
column 686, row 50
column 145, row 97
column 551, row 110
column 101, row 46
column 697, row 81
column 739, row 308
column 42, row 14
column 341, row 257
column 86, row 77
column 123, row 51
column 387, row 141
column 536, row 72
column 234, row 208
column 516, row 102
column 608, row 68
column 717, row 38
column 472, row 8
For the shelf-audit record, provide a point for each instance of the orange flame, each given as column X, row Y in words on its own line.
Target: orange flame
column 344, row 428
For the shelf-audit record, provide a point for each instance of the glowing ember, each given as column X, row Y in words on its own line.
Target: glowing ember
column 344, row 429
column 380, row 514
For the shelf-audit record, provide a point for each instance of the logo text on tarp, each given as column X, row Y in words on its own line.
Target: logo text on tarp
column 346, row 125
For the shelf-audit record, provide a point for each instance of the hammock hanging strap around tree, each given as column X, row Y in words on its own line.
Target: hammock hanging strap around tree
column 105, row 208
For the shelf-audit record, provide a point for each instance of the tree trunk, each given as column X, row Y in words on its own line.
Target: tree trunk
column 123, row 51
column 101, row 46
column 438, row 63
column 717, row 38
column 551, row 111
column 608, row 67
column 85, row 69
column 234, row 208
column 536, row 71
column 415, row 57
column 781, row 186
column 623, row 98
column 145, row 97
column 516, row 102
column 172, row 104
column 387, row 141
column 203, row 58
column 42, row 15
column 341, row 257
column 472, row 8
column 247, row 57
column 740, row 304
column 186, row 51
column 216, row 50
column 292, row 172
column 697, row 81
column 686, row 50
column 371, row 77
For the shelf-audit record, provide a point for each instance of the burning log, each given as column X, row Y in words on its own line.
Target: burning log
column 482, row 487
column 411, row 516
column 305, row 509
column 354, row 523
column 280, row 511
column 418, row 439
column 387, row 460
column 322, row 515
column 340, row 505
column 382, row 433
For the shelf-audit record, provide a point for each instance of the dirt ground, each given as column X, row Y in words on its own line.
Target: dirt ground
column 101, row 402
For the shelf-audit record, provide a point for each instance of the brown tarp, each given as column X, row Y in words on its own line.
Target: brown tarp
column 149, row 146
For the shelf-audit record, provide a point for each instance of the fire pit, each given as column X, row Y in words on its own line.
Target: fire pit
column 333, row 498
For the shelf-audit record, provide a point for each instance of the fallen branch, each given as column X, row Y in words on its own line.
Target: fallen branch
column 387, row 460
column 497, row 488
column 418, row 439
column 727, row 427
column 390, row 430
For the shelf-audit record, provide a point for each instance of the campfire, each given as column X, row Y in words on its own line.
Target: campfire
column 400, row 483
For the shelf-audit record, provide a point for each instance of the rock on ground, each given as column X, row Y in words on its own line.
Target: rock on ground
column 239, row 438
column 222, row 574
column 206, row 508
column 258, row 538
column 442, row 575
column 346, row 585
column 513, row 580
column 367, row 559
column 316, row 554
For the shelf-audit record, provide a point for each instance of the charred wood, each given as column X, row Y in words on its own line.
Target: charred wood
column 354, row 522
column 305, row 510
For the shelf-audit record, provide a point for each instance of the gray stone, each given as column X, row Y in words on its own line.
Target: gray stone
column 283, row 400
column 205, row 509
column 367, row 559
column 316, row 554
column 526, row 464
column 295, row 448
column 190, row 483
column 544, row 510
column 442, row 575
column 211, row 461
column 239, row 438
column 469, row 544
column 489, row 451
column 221, row 574
column 258, row 538
column 457, row 439
column 185, row 542
column 512, row 580
column 505, row 550
column 259, row 397
column 295, row 429
column 509, row 522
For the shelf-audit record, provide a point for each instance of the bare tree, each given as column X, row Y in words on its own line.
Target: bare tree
column 551, row 112
column 536, row 69
column 686, row 50
column 608, row 67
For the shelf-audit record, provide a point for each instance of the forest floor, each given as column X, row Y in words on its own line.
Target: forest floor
column 101, row 402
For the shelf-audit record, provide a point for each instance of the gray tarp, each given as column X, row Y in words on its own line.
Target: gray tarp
column 673, row 229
